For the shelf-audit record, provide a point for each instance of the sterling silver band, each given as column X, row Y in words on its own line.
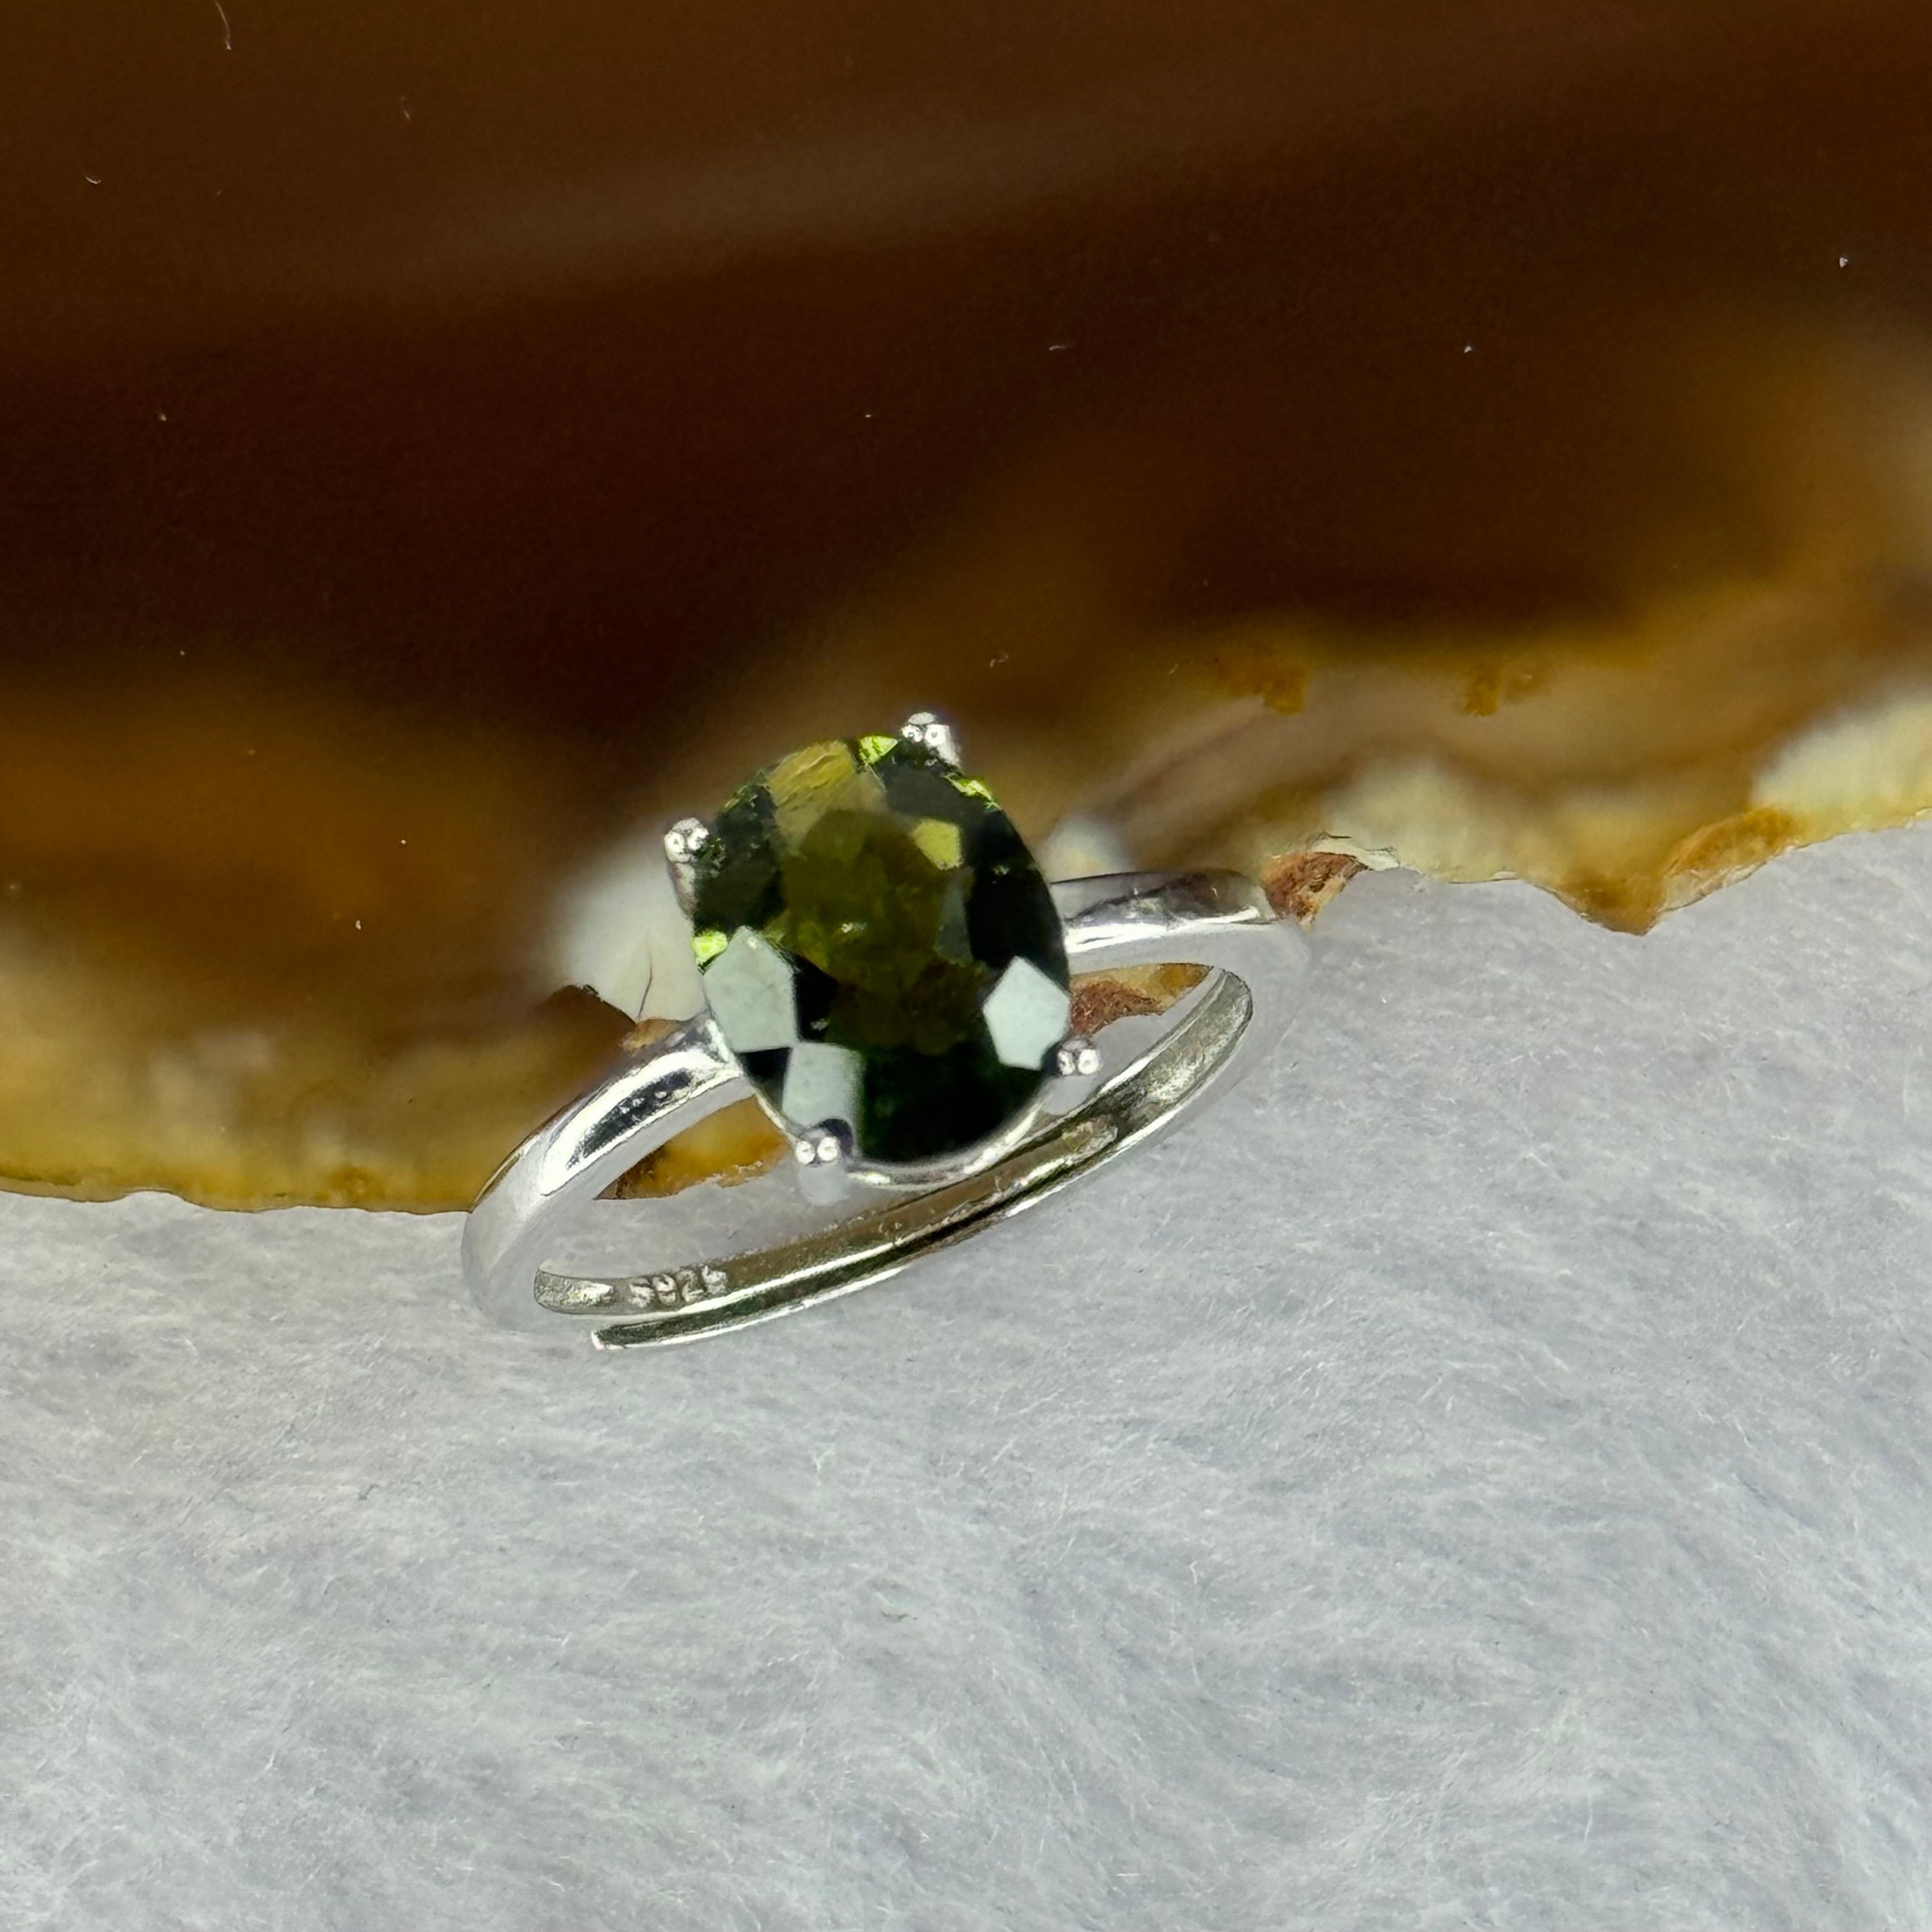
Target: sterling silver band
column 550, row 1189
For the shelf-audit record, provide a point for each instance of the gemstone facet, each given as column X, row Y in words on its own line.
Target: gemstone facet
column 879, row 948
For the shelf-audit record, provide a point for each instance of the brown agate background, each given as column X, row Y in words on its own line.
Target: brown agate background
column 441, row 441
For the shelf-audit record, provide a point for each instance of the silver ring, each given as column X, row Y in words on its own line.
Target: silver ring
column 547, row 1197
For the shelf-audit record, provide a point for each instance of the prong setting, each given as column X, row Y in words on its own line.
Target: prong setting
column 1073, row 1071
column 685, row 839
column 820, row 1155
column 1076, row 1057
column 682, row 843
column 929, row 729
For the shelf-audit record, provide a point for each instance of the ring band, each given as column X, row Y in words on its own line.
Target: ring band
column 549, row 1190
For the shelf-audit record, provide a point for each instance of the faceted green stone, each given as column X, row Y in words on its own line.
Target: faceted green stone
column 879, row 948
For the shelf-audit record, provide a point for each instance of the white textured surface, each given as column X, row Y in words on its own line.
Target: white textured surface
column 1479, row 1477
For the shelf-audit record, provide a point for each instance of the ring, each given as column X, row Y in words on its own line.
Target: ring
column 887, row 969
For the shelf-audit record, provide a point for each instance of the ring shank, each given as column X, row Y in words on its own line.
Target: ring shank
column 1218, row 920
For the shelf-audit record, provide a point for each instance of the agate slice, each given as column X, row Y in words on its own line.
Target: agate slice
column 440, row 455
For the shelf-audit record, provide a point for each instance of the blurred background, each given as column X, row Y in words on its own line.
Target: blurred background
column 439, row 443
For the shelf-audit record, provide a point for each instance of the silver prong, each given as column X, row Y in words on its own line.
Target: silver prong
column 1076, row 1057
column 682, row 844
column 929, row 729
column 685, row 839
column 1073, row 1071
column 819, row 1154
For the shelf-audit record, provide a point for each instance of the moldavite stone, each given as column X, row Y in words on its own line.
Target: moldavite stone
column 879, row 948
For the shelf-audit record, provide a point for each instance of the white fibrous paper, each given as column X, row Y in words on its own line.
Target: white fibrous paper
column 1478, row 1475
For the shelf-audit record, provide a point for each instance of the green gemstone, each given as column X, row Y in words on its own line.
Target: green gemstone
column 879, row 948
